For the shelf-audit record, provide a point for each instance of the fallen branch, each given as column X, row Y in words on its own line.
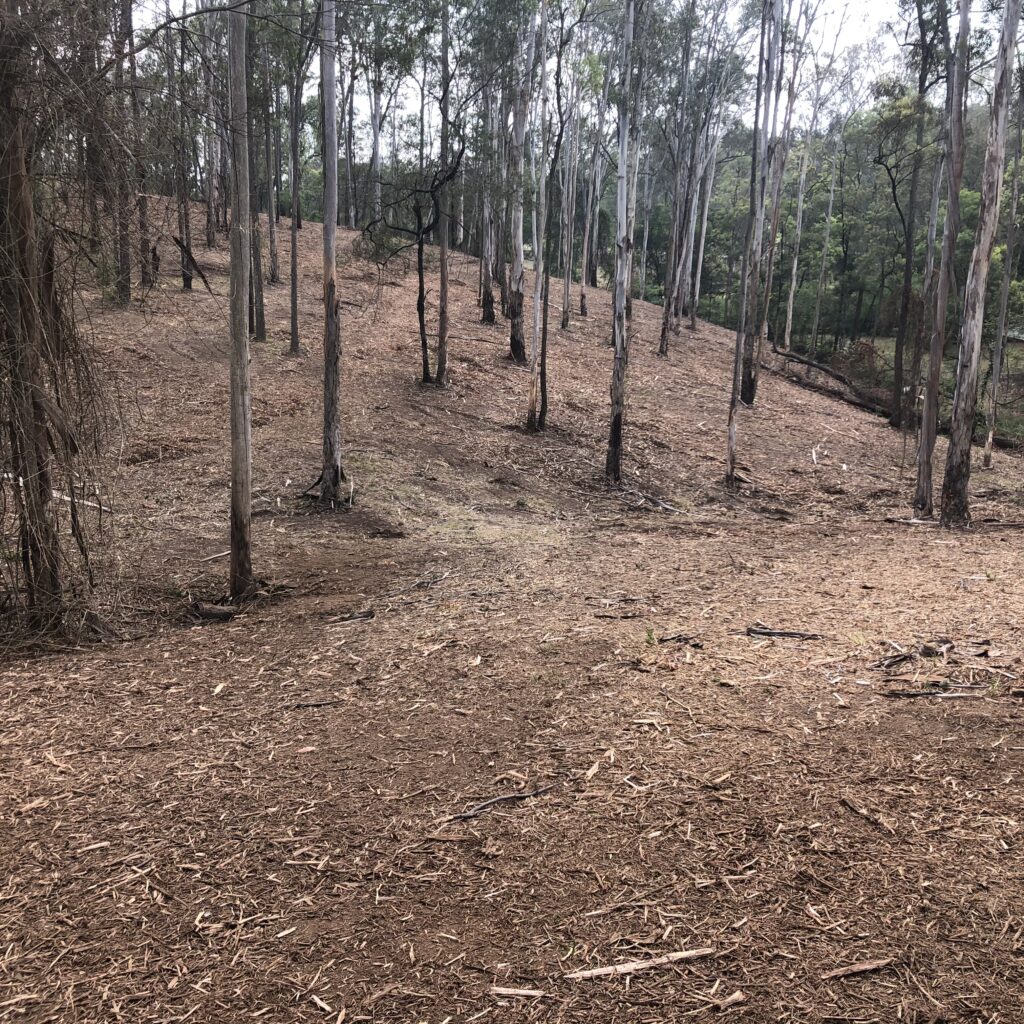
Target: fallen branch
column 193, row 263
column 861, row 968
column 632, row 966
column 526, row 993
column 760, row 629
column 473, row 812
column 875, row 819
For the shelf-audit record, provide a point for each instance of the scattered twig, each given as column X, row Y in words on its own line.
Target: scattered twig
column 760, row 629
column 875, row 819
column 860, row 968
column 525, row 993
column 505, row 798
column 632, row 966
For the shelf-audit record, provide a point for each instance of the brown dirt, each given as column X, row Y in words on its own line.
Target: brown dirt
column 253, row 820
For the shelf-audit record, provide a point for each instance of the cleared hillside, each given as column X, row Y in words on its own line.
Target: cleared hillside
column 291, row 816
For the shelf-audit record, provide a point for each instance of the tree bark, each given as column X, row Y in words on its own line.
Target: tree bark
column 992, row 393
column 332, row 475
column 955, row 499
column 242, row 582
column 540, row 216
column 443, row 200
column 957, row 83
column 517, row 343
column 275, row 263
column 623, row 254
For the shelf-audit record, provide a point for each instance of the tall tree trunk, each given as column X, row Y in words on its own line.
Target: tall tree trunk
column 259, row 318
column 209, row 129
column 332, row 474
column 569, row 203
column 123, row 175
column 275, row 264
column 747, row 270
column 376, row 99
column 956, row 77
column 955, row 500
column 755, row 297
column 145, row 244
column 992, row 394
column 23, row 332
column 709, row 185
column 540, row 216
column 594, row 181
column 242, row 581
column 487, row 230
column 443, row 200
column 179, row 170
column 294, row 108
column 517, row 161
column 816, row 319
column 623, row 255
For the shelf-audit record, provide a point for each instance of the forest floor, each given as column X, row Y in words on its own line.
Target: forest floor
column 284, row 817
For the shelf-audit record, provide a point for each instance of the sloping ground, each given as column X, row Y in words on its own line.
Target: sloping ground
column 286, row 817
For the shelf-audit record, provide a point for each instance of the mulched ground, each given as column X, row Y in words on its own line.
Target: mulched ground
column 285, row 817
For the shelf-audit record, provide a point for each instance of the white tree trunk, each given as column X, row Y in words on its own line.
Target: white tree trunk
column 955, row 500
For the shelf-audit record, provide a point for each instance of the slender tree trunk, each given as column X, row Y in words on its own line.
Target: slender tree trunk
column 593, row 191
column 210, row 128
column 816, row 319
column 569, row 207
column 179, row 171
column 487, row 232
column 275, row 264
column 540, row 216
column 623, row 254
column 145, row 244
column 517, row 343
column 992, row 394
column 294, row 108
column 123, row 176
column 443, row 200
column 746, row 267
column 955, row 500
column 332, row 474
column 709, row 186
column 755, row 298
column 242, row 581
column 956, row 77
column 376, row 100
column 259, row 319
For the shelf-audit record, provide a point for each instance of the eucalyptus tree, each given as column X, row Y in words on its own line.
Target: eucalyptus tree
column 955, row 500
column 332, row 475
column 242, row 580
column 956, row 86
column 1009, row 257
column 629, row 104
column 526, row 61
